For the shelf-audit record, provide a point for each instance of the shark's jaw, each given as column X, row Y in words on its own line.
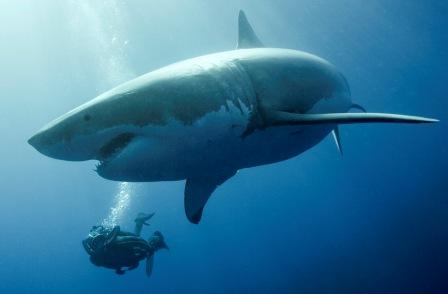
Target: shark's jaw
column 112, row 149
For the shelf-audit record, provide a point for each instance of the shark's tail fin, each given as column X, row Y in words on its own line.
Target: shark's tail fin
column 141, row 220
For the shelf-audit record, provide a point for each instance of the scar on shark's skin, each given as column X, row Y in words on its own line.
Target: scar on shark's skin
column 203, row 119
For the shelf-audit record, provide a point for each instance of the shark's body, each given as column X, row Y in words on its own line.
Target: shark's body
column 212, row 115
column 205, row 118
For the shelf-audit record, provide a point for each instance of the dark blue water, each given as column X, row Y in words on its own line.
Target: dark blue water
column 374, row 221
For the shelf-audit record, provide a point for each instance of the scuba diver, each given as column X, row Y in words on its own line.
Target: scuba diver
column 116, row 249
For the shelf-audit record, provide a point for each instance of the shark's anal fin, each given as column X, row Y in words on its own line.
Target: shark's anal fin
column 279, row 118
column 198, row 190
column 246, row 35
column 337, row 140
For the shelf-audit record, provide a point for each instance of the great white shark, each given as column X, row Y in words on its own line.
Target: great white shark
column 203, row 119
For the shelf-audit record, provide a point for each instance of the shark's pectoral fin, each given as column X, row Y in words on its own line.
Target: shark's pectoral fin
column 198, row 190
column 246, row 35
column 279, row 118
column 337, row 140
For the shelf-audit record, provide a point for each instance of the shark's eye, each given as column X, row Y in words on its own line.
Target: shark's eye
column 87, row 117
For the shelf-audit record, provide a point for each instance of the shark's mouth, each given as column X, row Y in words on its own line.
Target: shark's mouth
column 113, row 148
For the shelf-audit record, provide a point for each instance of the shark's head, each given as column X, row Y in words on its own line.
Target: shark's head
column 63, row 138
column 86, row 132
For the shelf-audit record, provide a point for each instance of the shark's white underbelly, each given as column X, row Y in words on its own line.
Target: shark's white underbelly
column 177, row 151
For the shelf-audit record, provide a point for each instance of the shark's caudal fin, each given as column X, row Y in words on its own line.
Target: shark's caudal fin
column 336, row 133
column 198, row 190
column 337, row 140
column 279, row 118
column 246, row 35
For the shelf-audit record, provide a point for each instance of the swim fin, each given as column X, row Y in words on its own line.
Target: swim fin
column 149, row 264
column 140, row 220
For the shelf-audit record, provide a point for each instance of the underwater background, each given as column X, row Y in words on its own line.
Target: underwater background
column 372, row 221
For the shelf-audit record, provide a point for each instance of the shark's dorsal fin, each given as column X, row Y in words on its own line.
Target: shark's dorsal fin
column 198, row 190
column 246, row 35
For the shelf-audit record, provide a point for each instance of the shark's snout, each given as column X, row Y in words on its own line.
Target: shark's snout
column 34, row 141
column 41, row 143
column 58, row 145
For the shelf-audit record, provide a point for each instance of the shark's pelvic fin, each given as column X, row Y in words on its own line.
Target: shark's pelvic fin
column 246, row 35
column 337, row 140
column 198, row 191
column 278, row 118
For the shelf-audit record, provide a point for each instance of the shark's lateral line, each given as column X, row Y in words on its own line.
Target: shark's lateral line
column 205, row 118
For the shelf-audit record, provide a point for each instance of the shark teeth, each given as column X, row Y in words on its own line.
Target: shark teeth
column 98, row 165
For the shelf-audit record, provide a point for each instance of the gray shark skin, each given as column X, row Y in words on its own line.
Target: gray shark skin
column 205, row 118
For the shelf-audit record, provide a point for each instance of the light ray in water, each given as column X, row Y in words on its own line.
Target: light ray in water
column 101, row 25
column 100, row 30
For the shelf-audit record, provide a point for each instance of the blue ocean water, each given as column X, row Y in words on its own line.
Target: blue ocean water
column 373, row 221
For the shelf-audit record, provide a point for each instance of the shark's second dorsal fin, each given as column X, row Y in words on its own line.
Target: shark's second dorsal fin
column 246, row 35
